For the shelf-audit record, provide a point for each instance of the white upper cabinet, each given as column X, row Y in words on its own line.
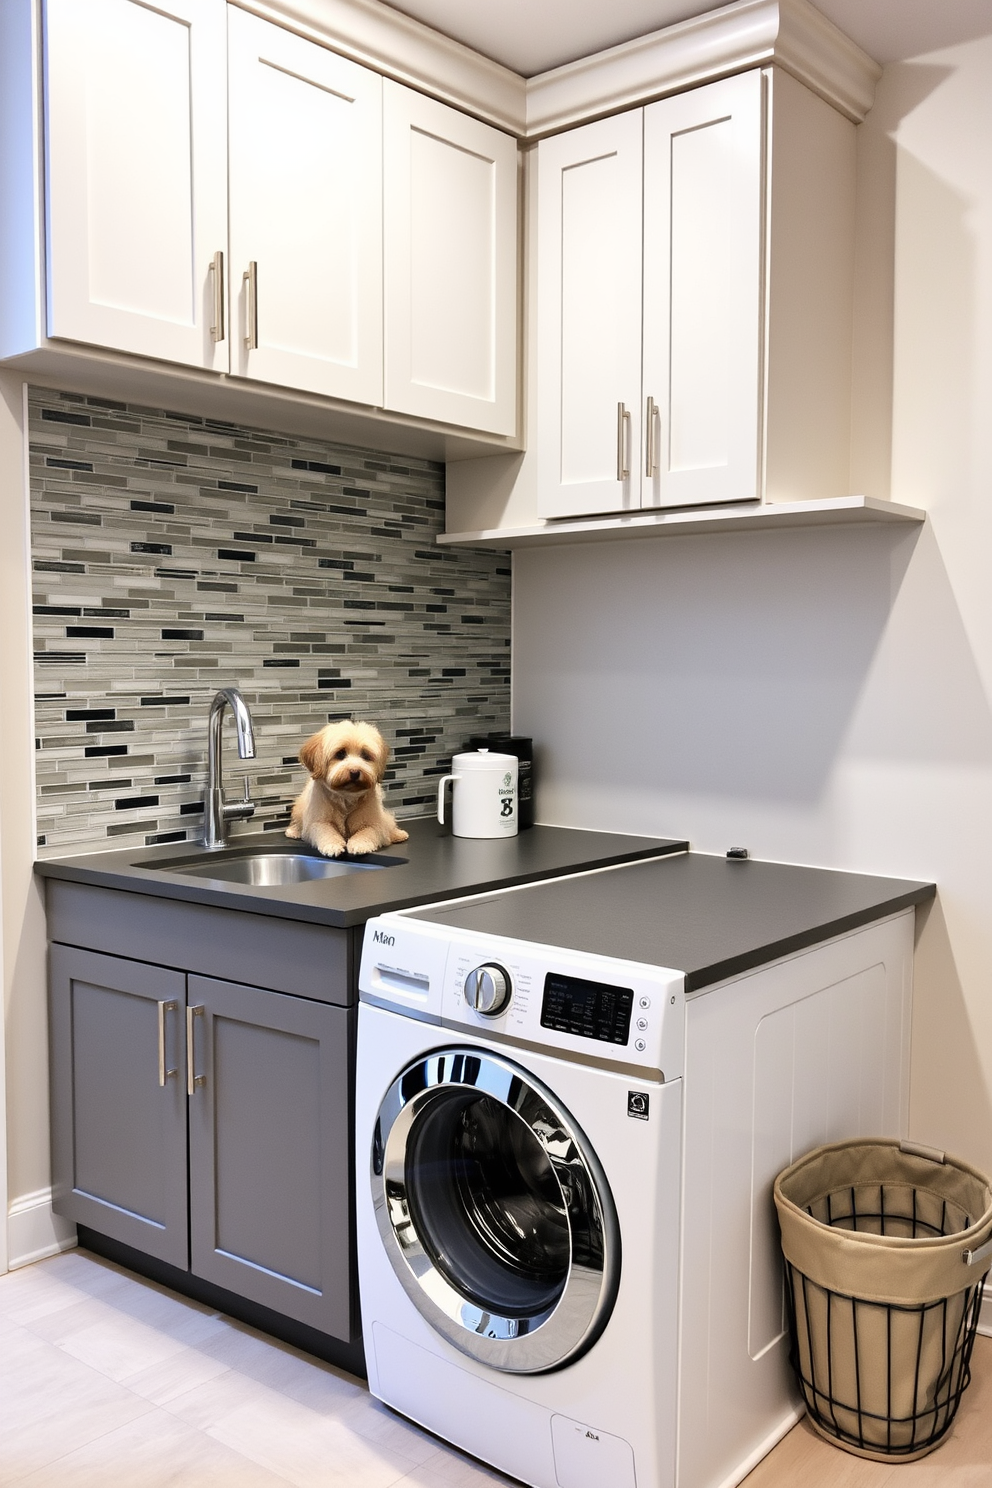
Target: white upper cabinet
column 216, row 189
column 649, row 301
column 703, row 256
column 450, row 194
column 136, row 175
column 589, row 317
column 306, row 214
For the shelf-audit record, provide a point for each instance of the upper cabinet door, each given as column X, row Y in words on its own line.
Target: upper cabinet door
column 306, row 214
column 703, row 266
column 450, row 192
column 589, row 318
column 136, row 175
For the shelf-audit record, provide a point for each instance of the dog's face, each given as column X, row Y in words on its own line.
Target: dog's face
column 349, row 757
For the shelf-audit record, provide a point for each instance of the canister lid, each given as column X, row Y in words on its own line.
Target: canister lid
column 484, row 759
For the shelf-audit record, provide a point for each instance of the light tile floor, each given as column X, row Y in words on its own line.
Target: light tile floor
column 108, row 1381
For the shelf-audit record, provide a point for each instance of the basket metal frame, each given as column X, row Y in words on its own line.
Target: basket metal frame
column 924, row 1427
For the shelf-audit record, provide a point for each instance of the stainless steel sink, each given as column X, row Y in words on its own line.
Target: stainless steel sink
column 268, row 868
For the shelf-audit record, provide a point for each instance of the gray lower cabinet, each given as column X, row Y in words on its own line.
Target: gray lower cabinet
column 268, row 1171
column 118, row 1104
column 206, row 1123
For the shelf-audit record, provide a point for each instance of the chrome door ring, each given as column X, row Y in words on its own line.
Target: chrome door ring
column 561, row 1326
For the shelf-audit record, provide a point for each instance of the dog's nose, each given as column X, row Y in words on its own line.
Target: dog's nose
column 356, row 774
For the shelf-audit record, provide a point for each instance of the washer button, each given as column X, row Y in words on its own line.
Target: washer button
column 644, row 1002
column 640, row 1045
column 642, row 1023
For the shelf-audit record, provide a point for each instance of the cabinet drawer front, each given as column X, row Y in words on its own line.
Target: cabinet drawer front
column 118, row 1131
column 136, row 137
column 589, row 317
column 450, row 204
column 285, row 955
column 703, row 264
column 306, row 209
column 270, row 1150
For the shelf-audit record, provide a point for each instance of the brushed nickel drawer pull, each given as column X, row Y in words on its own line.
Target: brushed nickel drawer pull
column 623, row 424
column 250, row 279
column 217, row 270
column 651, row 440
column 192, row 1078
column 163, row 1073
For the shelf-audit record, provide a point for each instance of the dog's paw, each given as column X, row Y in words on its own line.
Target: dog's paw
column 363, row 842
column 329, row 844
column 292, row 830
column 398, row 835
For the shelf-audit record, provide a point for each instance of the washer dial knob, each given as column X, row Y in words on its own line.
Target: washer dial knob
column 488, row 989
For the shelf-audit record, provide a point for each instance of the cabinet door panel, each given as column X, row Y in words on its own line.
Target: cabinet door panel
column 589, row 317
column 270, row 1153
column 450, row 193
column 306, row 182
column 136, row 139
column 118, row 1135
column 703, row 292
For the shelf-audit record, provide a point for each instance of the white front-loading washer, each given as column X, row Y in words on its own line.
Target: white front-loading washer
column 565, row 1257
column 518, row 1217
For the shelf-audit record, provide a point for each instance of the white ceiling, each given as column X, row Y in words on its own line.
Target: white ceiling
column 531, row 36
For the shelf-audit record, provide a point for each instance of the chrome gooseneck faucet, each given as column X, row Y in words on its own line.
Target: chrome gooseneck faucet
column 216, row 814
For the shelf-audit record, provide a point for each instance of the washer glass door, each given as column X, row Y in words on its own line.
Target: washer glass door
column 494, row 1211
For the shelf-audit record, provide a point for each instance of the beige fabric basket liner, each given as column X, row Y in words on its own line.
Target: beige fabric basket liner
column 891, row 1268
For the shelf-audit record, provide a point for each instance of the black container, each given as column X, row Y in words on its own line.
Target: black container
column 523, row 748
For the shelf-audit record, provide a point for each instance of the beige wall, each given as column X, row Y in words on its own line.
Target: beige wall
column 22, row 940
column 824, row 697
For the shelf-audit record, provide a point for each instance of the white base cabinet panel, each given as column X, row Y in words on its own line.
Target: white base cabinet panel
column 136, row 174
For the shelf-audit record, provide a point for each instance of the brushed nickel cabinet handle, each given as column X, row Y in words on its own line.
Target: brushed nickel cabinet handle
column 250, row 279
column 651, row 439
column 192, row 1078
column 623, row 424
column 217, row 271
column 164, row 1073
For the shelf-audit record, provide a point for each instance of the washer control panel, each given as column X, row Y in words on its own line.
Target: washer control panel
column 595, row 1008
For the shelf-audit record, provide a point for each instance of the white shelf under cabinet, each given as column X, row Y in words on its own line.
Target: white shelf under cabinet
column 753, row 517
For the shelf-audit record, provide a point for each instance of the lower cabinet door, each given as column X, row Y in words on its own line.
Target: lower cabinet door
column 269, row 1150
column 119, row 1099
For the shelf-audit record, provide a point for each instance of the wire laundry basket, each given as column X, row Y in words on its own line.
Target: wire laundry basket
column 886, row 1245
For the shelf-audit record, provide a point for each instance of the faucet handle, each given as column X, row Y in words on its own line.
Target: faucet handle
column 247, row 795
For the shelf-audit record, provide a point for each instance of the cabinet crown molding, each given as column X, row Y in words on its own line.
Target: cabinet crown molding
column 749, row 33
column 408, row 51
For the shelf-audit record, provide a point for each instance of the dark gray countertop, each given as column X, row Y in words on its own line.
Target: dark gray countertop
column 705, row 916
column 436, row 866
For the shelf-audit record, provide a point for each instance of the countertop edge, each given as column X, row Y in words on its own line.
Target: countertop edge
column 173, row 887
column 751, row 960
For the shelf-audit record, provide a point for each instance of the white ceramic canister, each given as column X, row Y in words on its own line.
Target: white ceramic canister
column 483, row 794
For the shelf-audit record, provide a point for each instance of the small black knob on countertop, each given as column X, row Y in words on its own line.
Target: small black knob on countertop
column 738, row 852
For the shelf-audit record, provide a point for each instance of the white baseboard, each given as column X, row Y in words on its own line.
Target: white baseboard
column 985, row 1316
column 35, row 1231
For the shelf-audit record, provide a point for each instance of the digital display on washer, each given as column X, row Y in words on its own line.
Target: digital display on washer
column 590, row 1009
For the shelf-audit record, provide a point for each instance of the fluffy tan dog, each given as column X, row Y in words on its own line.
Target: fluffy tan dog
column 340, row 808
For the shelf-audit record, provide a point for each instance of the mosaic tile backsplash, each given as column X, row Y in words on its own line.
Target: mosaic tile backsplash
column 175, row 555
